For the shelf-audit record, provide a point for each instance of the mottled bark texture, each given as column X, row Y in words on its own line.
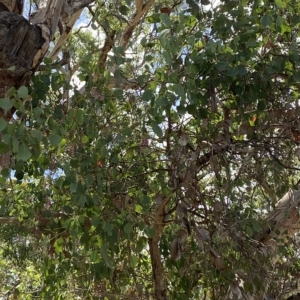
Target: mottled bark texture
column 15, row 6
column 19, row 43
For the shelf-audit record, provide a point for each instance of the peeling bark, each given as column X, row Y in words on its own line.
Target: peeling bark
column 157, row 267
column 108, row 44
column 19, row 43
column 23, row 43
column 15, row 6
column 68, row 26
column 141, row 10
column 283, row 223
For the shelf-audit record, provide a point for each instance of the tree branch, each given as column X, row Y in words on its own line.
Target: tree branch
column 64, row 61
column 108, row 44
column 141, row 10
column 139, row 5
column 157, row 268
column 63, row 37
column 9, row 220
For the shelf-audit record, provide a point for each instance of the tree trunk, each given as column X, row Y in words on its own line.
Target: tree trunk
column 283, row 223
column 23, row 45
column 19, row 44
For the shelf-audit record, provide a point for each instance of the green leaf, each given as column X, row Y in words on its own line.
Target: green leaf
column 23, row 92
column 79, row 116
column 285, row 28
column 37, row 112
column 58, row 113
column 166, row 19
column 222, row 65
column 19, row 175
column 89, row 180
column 82, row 200
column 179, row 89
column 2, row 124
column 211, row 47
column 252, row 43
column 143, row 41
column 58, row 245
column 233, row 72
column 120, row 138
column 106, row 258
column 124, row 9
column 296, row 76
column 23, row 153
column 5, row 173
column 108, row 228
column 118, row 93
column 279, row 3
column 37, row 135
column 192, row 109
column 147, row 95
column 266, row 20
column 95, row 257
column 156, row 129
column 249, row 231
column 128, row 228
column 149, row 231
column 6, row 104
column 6, row 138
column 194, row 7
column 63, row 142
column 168, row 56
column 138, row 208
column 242, row 70
column 73, row 187
column 261, row 106
column 84, row 139
column 127, row 131
column 162, row 101
column 153, row 18
column 74, row 162
column 11, row 92
column 141, row 244
column 148, row 58
column 256, row 226
column 133, row 261
column 141, row 79
column 15, row 146
column 144, row 201
column 54, row 140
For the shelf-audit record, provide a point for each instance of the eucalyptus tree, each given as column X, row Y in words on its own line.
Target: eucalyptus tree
column 150, row 152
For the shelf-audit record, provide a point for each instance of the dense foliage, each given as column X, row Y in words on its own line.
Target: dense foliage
column 160, row 178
